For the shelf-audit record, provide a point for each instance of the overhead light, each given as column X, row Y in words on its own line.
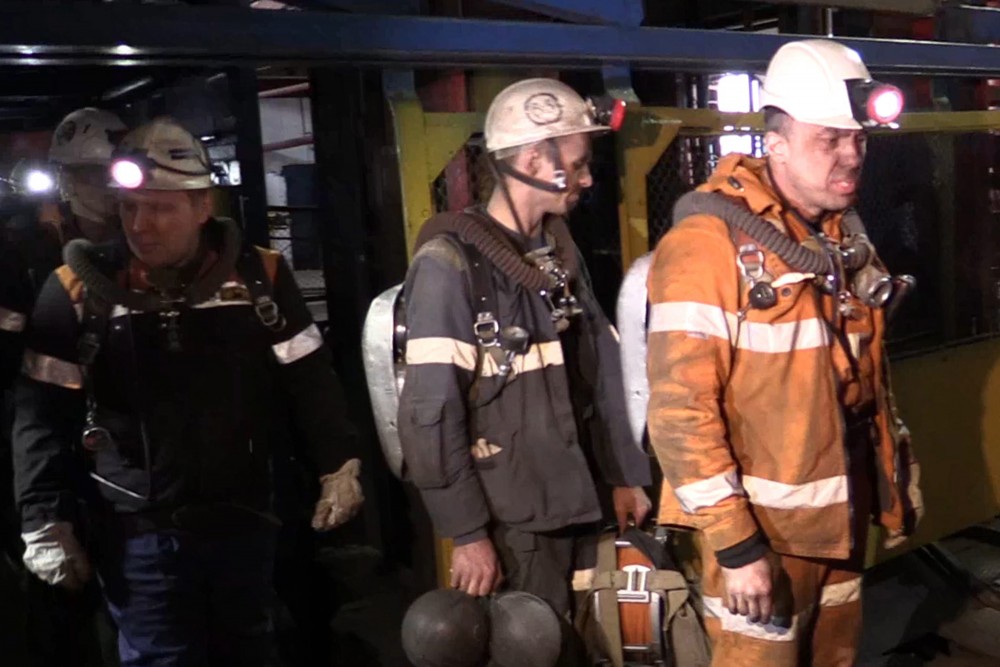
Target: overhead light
column 125, row 50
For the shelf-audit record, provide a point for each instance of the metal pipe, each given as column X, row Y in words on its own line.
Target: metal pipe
column 285, row 91
column 306, row 140
column 126, row 88
column 828, row 21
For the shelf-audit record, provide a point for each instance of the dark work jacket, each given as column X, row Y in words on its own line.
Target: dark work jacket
column 191, row 426
column 526, row 458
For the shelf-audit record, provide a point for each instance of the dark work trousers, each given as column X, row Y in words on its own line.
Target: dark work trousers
column 543, row 564
column 182, row 600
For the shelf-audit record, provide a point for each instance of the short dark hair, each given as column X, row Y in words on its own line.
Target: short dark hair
column 776, row 120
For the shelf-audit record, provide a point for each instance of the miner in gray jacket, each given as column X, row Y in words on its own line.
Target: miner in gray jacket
column 512, row 416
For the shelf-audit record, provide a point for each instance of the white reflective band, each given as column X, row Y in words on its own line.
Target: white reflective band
column 12, row 321
column 536, row 358
column 232, row 293
column 704, row 320
column 298, row 346
column 51, row 370
column 441, row 350
column 708, row 492
column 216, row 302
column 785, row 337
column 692, row 317
column 842, row 593
column 739, row 624
column 854, row 340
column 810, row 495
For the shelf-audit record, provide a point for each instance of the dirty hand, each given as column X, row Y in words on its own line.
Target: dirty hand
column 630, row 500
column 748, row 590
column 475, row 568
column 54, row 555
column 340, row 498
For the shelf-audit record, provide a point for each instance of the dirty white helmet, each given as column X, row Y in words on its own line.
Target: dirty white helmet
column 533, row 110
column 86, row 137
column 161, row 155
column 822, row 82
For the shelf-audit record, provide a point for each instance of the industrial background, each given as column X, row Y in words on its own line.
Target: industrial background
column 339, row 126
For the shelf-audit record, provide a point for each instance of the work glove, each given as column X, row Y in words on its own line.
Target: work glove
column 54, row 555
column 340, row 498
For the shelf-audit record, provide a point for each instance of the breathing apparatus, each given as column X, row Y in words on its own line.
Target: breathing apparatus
column 540, row 111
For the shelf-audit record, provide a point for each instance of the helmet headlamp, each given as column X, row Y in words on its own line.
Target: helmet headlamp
column 131, row 170
column 608, row 111
column 134, row 168
column 874, row 103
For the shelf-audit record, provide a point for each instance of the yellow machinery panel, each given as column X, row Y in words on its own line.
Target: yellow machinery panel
column 950, row 400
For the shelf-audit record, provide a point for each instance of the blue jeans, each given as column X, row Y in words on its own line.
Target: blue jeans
column 184, row 600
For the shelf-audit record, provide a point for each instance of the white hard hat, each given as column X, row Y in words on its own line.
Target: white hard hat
column 86, row 137
column 161, row 155
column 533, row 110
column 811, row 80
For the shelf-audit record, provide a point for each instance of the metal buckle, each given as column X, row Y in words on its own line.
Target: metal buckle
column 750, row 259
column 635, row 585
column 559, row 178
column 96, row 438
column 486, row 329
column 268, row 313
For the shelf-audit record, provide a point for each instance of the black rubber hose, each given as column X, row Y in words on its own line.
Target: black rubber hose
column 78, row 256
column 796, row 255
column 499, row 250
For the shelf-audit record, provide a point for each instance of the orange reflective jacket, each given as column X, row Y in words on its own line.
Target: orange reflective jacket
column 749, row 407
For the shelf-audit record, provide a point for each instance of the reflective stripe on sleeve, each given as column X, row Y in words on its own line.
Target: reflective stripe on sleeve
column 699, row 319
column 708, row 492
column 298, row 346
column 51, row 370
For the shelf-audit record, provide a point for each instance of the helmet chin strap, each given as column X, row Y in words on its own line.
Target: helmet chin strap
column 556, row 186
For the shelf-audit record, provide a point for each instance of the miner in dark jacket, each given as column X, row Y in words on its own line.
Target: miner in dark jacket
column 512, row 413
column 159, row 373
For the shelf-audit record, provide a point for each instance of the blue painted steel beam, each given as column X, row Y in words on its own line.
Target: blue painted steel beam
column 614, row 12
column 367, row 6
column 157, row 35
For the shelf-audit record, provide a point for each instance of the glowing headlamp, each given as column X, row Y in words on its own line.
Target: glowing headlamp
column 608, row 111
column 130, row 171
column 39, row 182
column 33, row 179
column 875, row 103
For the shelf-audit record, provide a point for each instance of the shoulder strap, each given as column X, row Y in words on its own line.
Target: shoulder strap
column 486, row 324
column 250, row 266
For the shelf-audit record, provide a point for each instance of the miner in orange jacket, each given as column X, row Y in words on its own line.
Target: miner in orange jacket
column 770, row 410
